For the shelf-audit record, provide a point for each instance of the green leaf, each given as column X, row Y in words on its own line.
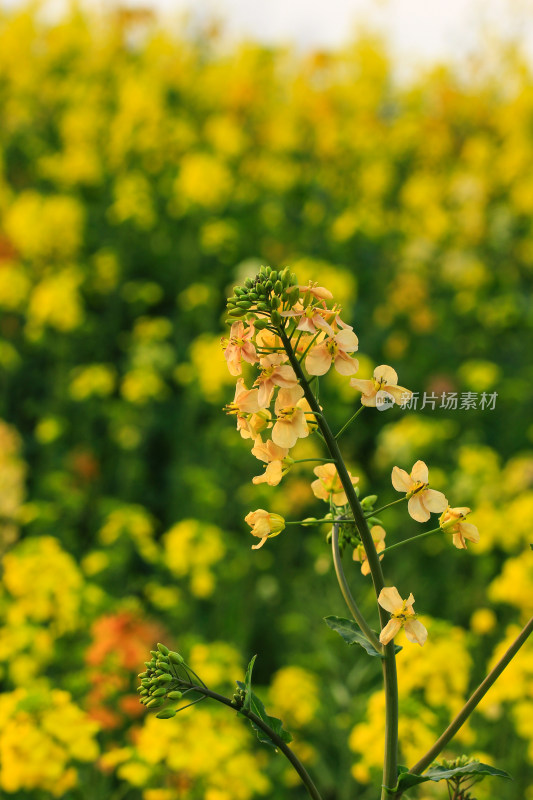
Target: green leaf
column 408, row 779
column 349, row 630
column 254, row 704
column 248, row 684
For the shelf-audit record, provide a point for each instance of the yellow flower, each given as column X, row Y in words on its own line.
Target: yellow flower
column 244, row 407
column 275, row 458
column 451, row 521
column 264, row 525
column 402, row 615
column 329, row 486
column 385, row 380
column 359, row 554
column 422, row 499
column 274, row 373
column 240, row 346
column 334, row 350
column 291, row 423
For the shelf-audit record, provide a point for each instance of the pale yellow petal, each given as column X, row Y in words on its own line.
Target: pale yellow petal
column 416, row 509
column 420, row 473
column 318, row 360
column 389, row 599
column 363, row 386
column 458, row 541
column 469, row 531
column 434, row 501
column 261, row 543
column 369, row 400
column 386, row 374
column 401, row 480
column 347, row 340
column 400, row 394
column 389, row 631
column 416, row 632
column 345, row 364
column 284, row 434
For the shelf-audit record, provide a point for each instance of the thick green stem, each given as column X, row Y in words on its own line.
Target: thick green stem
column 346, row 593
column 277, row 740
column 390, row 768
column 473, row 701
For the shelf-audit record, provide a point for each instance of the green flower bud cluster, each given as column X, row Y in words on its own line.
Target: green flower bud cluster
column 367, row 504
column 238, row 698
column 348, row 533
column 461, row 761
column 269, row 291
column 454, row 783
column 160, row 681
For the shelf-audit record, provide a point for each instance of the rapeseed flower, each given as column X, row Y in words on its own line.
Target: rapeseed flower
column 402, row 616
column 422, row 499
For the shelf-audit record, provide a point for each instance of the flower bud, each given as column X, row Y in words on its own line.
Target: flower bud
column 175, row 658
column 368, row 502
column 276, row 318
column 237, row 312
column 166, row 713
column 165, row 678
column 163, row 649
column 155, row 702
column 278, row 287
column 160, row 692
column 174, row 695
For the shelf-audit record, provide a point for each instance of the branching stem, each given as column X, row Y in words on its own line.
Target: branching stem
column 473, row 701
column 277, row 740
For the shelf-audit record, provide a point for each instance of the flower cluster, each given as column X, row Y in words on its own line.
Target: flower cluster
column 272, row 313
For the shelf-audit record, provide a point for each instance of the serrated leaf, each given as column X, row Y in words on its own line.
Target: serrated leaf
column 349, row 630
column 409, row 779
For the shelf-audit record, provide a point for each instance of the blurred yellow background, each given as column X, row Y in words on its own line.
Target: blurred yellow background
column 142, row 173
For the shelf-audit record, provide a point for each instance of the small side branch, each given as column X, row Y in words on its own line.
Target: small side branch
column 470, row 705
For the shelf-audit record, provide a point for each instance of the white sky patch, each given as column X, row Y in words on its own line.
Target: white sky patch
column 417, row 31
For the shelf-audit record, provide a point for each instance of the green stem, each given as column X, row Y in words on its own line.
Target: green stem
column 346, row 593
column 390, row 767
column 277, row 740
column 349, row 422
column 305, row 352
column 411, row 539
column 310, row 522
column 303, row 460
column 473, row 701
column 388, row 505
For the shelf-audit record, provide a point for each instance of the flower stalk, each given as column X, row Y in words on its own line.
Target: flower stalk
column 390, row 767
